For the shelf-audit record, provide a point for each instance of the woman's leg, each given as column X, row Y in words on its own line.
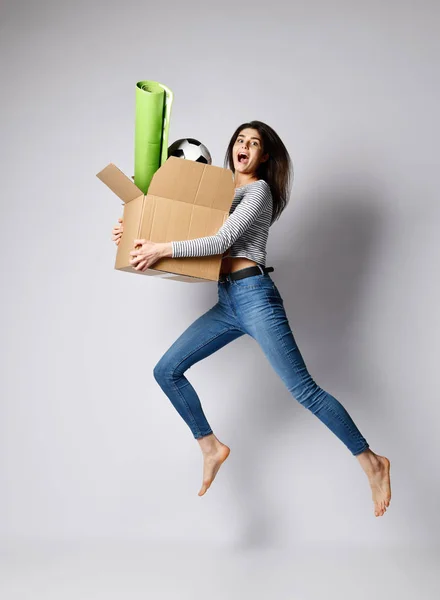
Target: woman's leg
column 262, row 315
column 268, row 324
column 203, row 337
column 208, row 333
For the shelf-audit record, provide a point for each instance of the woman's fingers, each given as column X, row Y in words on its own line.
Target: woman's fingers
column 116, row 238
column 117, row 232
column 141, row 266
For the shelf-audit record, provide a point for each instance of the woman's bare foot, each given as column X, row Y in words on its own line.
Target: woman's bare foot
column 214, row 454
column 377, row 469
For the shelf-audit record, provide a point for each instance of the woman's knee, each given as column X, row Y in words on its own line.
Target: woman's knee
column 163, row 371
column 309, row 393
column 168, row 368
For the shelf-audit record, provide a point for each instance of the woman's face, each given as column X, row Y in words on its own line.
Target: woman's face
column 247, row 151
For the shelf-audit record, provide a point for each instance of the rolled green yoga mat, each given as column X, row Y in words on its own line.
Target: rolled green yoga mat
column 152, row 121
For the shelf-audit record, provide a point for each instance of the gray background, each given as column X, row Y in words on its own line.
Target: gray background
column 92, row 451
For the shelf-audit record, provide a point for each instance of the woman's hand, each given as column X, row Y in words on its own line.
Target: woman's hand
column 148, row 253
column 117, row 232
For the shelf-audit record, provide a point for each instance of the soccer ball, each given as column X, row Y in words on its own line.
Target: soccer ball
column 190, row 149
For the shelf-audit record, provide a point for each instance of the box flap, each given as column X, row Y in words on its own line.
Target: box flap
column 194, row 183
column 119, row 183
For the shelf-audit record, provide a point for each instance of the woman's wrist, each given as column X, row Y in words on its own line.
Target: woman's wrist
column 167, row 250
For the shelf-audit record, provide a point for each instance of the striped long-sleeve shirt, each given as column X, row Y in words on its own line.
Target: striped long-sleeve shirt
column 244, row 232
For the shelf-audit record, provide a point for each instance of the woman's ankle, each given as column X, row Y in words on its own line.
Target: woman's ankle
column 369, row 460
column 208, row 443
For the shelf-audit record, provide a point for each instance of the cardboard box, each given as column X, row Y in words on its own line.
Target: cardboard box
column 185, row 200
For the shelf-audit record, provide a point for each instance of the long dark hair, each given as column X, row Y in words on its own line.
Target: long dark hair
column 277, row 171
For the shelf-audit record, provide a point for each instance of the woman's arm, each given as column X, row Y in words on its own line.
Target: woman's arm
column 255, row 200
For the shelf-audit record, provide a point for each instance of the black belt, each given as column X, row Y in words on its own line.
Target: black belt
column 247, row 272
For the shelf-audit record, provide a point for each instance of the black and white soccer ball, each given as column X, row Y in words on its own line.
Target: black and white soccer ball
column 190, row 149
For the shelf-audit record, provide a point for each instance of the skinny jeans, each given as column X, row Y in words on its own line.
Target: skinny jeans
column 253, row 306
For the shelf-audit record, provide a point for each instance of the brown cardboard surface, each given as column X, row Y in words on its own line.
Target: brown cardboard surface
column 185, row 200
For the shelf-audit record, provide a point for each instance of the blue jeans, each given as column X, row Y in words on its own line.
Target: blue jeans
column 252, row 305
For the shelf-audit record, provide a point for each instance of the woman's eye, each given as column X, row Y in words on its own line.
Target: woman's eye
column 240, row 140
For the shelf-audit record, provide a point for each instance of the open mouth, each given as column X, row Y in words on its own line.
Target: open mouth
column 242, row 157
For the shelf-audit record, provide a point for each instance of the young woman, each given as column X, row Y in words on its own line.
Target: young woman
column 250, row 303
